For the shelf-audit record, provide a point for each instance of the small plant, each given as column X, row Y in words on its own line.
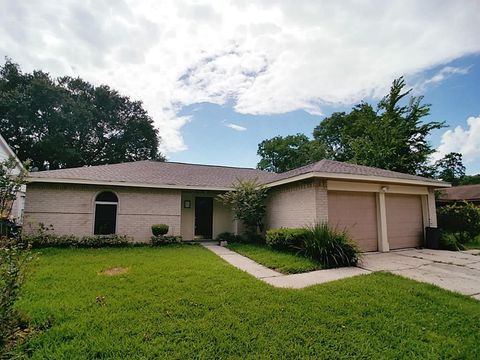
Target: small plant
column 286, row 238
column 450, row 241
column 330, row 247
column 14, row 260
column 159, row 229
column 165, row 240
column 247, row 202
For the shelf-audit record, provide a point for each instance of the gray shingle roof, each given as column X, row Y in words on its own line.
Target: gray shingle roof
column 338, row 167
column 459, row 193
column 159, row 174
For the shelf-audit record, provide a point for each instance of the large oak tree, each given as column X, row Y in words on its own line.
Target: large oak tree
column 68, row 122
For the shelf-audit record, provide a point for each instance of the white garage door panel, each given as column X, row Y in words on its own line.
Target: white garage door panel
column 404, row 220
column 356, row 212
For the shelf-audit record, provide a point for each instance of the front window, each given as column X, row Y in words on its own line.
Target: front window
column 106, row 204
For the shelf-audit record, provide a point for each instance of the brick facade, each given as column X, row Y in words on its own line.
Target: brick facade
column 70, row 209
column 297, row 204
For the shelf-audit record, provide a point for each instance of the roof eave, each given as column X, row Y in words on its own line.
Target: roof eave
column 32, row 179
column 342, row 176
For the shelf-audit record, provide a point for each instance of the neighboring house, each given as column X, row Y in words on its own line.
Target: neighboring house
column 456, row 194
column 18, row 206
column 381, row 209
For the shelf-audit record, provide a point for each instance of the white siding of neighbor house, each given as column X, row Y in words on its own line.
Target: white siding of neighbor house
column 18, row 205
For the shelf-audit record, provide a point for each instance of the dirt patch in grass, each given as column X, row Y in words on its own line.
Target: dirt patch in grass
column 114, row 271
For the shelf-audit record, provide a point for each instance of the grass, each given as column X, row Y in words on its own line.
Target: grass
column 281, row 261
column 474, row 244
column 185, row 302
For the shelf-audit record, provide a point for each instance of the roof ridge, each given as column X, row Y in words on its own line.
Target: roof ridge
column 211, row 165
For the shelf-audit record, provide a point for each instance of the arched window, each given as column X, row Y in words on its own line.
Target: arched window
column 105, row 213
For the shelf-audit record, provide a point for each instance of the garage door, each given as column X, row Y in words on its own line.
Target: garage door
column 355, row 212
column 404, row 220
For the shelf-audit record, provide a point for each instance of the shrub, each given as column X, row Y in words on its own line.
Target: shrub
column 229, row 237
column 461, row 219
column 14, row 260
column 330, row 247
column 164, row 240
column 247, row 202
column 43, row 237
column 159, row 229
column 450, row 241
column 285, row 238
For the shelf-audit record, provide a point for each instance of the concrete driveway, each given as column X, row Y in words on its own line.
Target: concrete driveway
column 456, row 271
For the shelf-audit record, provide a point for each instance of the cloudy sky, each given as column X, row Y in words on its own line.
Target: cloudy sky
column 218, row 77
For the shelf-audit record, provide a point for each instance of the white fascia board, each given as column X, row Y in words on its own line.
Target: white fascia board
column 121, row 183
column 377, row 179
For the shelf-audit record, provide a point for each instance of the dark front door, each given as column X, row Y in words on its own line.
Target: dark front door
column 203, row 217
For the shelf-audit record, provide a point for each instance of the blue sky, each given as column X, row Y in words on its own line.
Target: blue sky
column 210, row 140
column 207, row 70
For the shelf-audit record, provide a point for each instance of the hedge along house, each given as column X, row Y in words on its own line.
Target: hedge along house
column 381, row 209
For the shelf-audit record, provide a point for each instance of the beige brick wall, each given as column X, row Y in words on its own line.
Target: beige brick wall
column 298, row 204
column 70, row 209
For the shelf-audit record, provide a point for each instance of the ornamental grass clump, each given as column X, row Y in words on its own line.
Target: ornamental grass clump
column 330, row 247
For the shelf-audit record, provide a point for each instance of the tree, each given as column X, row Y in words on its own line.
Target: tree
column 281, row 154
column 68, row 122
column 393, row 137
column 247, row 202
column 450, row 168
column 470, row 180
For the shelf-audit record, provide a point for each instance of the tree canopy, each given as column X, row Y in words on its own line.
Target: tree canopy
column 392, row 136
column 68, row 122
column 281, row 154
column 450, row 168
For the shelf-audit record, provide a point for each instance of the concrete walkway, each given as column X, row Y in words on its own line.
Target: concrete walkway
column 455, row 271
column 294, row 281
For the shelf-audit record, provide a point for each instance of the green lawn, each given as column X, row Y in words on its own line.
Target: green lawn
column 185, row 302
column 281, row 261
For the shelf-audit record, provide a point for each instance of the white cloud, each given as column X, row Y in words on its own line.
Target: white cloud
column 265, row 57
column 462, row 140
column 441, row 75
column 235, row 127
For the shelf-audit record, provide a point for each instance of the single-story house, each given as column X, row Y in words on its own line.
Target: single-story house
column 381, row 209
column 470, row 193
column 6, row 152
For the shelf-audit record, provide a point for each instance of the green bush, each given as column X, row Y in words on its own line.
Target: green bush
column 286, row 238
column 330, row 247
column 451, row 241
column 14, row 260
column 164, row 240
column 462, row 219
column 92, row 241
column 229, row 237
column 159, row 229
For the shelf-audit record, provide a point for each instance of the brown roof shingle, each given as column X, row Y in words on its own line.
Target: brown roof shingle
column 338, row 167
column 460, row 193
column 159, row 174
